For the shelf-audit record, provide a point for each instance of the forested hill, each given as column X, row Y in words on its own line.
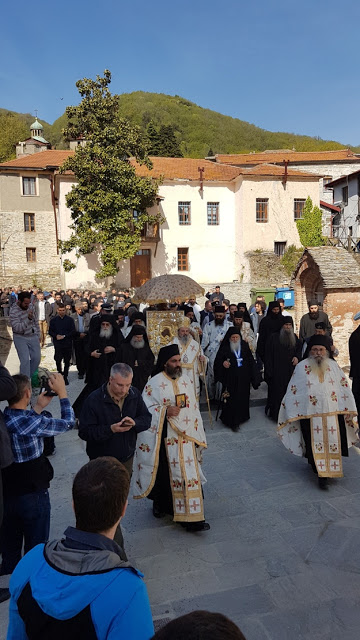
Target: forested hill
column 197, row 130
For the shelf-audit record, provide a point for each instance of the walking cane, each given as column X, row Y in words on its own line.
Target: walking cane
column 206, row 390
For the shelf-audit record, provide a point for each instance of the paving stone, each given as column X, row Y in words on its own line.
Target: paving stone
column 242, row 574
column 187, row 585
column 233, row 602
column 310, row 513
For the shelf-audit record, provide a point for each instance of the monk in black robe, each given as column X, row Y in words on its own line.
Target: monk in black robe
column 282, row 353
column 135, row 351
column 270, row 324
column 236, row 369
column 354, row 351
column 104, row 351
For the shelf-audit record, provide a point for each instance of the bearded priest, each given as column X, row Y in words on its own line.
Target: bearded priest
column 167, row 459
column 318, row 417
column 193, row 361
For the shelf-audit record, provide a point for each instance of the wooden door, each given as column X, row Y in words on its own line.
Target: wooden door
column 140, row 267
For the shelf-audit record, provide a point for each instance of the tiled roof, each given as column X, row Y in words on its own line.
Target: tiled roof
column 41, row 160
column 289, row 156
column 276, row 170
column 332, row 207
column 338, row 268
column 168, row 168
column 187, row 169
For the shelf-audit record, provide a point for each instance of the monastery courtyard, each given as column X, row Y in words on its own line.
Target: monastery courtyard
column 282, row 557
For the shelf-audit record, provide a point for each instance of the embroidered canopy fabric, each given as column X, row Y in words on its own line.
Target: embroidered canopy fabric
column 169, row 288
column 321, row 400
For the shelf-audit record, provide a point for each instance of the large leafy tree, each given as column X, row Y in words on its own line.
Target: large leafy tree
column 12, row 129
column 108, row 190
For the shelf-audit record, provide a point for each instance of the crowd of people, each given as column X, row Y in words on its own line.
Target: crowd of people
column 142, row 418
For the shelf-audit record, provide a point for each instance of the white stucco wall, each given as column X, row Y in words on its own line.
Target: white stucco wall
column 281, row 226
column 212, row 248
column 216, row 252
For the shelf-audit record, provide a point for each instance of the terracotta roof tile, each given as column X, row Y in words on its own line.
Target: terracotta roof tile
column 41, row 160
column 274, row 170
column 187, row 169
column 290, row 156
column 168, row 168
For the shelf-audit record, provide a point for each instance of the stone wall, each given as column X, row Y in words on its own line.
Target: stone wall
column 341, row 306
column 14, row 268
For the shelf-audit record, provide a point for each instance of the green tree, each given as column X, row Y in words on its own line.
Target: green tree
column 108, row 190
column 153, row 136
column 169, row 145
column 290, row 259
column 12, row 129
column 310, row 225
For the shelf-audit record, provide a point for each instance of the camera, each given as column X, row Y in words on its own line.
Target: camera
column 46, row 387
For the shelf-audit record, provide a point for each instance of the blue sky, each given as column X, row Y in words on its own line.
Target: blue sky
column 282, row 65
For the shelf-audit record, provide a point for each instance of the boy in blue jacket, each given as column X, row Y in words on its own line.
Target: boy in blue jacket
column 81, row 586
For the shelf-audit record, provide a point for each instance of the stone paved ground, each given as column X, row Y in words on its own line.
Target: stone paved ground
column 282, row 558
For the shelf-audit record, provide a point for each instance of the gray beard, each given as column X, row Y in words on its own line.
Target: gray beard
column 137, row 344
column 234, row 346
column 287, row 338
column 106, row 333
column 319, row 367
column 184, row 340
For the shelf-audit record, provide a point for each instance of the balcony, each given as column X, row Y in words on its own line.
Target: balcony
column 149, row 233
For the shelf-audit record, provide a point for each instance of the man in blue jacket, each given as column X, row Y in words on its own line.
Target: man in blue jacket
column 81, row 586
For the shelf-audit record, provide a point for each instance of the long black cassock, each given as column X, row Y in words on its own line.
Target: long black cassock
column 278, row 369
column 236, row 381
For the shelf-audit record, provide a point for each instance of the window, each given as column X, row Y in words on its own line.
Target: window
column 279, row 248
column 183, row 259
column 184, row 210
column 262, row 209
column 29, row 221
column 29, row 186
column 345, row 195
column 30, row 254
column 213, row 213
column 299, row 204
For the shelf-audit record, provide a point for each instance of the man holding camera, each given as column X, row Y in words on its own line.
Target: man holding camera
column 27, row 480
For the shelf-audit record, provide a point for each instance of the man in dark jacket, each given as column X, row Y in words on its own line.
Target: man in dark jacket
column 309, row 320
column 135, row 351
column 62, row 331
column 82, row 585
column 112, row 416
column 354, row 351
column 81, row 337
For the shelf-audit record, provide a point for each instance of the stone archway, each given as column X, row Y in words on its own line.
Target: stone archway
column 309, row 285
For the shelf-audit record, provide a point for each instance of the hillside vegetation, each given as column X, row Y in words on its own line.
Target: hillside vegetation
column 197, row 130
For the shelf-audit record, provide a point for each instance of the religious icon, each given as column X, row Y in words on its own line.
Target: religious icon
column 180, row 400
column 162, row 327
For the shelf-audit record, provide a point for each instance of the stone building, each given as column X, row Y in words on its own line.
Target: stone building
column 28, row 220
column 35, row 143
column 332, row 276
